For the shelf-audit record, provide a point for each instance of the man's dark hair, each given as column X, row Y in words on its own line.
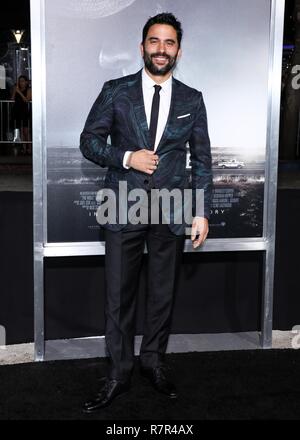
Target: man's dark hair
column 164, row 18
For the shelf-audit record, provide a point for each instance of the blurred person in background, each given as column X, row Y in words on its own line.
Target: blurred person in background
column 21, row 114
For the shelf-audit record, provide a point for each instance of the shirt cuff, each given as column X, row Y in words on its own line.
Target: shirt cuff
column 125, row 158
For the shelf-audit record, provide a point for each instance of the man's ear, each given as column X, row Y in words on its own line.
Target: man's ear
column 179, row 54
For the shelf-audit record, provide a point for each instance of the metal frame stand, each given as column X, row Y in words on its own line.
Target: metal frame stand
column 42, row 249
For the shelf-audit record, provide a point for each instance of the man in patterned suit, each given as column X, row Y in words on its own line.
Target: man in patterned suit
column 150, row 117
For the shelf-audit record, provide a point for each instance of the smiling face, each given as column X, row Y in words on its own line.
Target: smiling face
column 160, row 51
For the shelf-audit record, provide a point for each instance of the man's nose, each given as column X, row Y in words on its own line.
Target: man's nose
column 161, row 47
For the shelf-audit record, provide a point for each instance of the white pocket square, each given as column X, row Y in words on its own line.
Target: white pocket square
column 183, row 116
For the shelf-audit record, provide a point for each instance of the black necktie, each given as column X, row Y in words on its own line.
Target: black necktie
column 154, row 115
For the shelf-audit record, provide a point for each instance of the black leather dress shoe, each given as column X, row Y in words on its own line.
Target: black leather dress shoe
column 111, row 389
column 159, row 381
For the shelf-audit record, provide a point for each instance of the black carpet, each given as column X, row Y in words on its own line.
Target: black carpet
column 260, row 384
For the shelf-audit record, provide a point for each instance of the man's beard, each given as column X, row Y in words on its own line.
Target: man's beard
column 160, row 71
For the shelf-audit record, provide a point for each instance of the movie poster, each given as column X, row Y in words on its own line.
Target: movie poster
column 225, row 55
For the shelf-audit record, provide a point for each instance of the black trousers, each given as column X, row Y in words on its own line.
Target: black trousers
column 124, row 252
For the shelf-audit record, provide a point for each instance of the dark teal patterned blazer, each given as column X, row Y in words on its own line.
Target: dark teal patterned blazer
column 119, row 112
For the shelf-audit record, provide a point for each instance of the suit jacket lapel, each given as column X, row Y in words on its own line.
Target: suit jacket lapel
column 172, row 114
column 135, row 90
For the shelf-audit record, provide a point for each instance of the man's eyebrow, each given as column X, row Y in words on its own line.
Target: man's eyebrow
column 168, row 40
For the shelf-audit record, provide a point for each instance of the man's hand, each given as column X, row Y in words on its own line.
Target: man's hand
column 199, row 227
column 143, row 160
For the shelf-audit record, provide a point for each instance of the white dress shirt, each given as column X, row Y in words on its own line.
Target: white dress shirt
column 164, row 106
